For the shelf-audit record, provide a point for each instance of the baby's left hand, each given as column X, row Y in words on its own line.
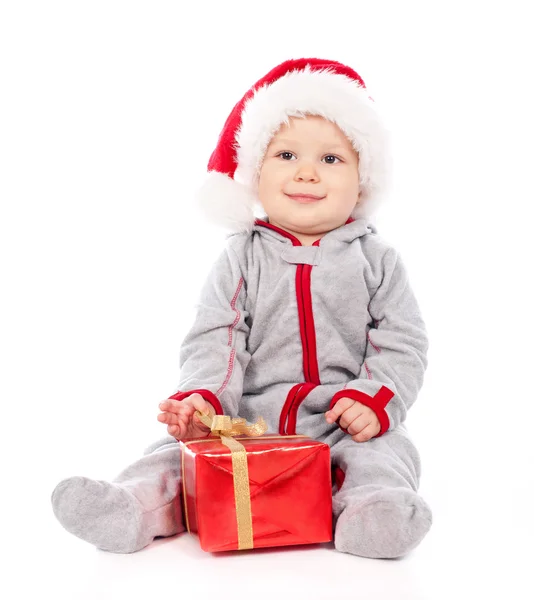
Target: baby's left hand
column 359, row 420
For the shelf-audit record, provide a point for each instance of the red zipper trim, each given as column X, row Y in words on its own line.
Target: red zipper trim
column 301, row 395
column 287, row 405
column 312, row 374
column 288, row 417
column 310, row 366
column 302, row 322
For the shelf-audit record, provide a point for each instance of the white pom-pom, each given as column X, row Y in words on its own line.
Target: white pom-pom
column 226, row 203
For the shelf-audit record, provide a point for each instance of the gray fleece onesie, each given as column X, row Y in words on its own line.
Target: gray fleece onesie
column 283, row 331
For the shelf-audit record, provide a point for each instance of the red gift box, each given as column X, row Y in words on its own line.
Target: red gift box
column 290, row 492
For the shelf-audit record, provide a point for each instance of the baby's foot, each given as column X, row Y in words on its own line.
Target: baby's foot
column 101, row 513
column 388, row 524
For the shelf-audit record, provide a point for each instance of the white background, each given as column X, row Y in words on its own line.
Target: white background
column 109, row 112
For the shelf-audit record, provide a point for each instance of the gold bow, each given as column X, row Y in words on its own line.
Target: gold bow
column 226, row 428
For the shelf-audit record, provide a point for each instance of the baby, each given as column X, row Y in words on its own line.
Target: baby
column 307, row 319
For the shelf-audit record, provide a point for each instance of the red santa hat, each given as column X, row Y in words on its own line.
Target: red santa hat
column 295, row 88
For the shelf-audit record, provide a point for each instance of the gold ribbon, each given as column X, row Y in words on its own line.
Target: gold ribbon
column 226, row 428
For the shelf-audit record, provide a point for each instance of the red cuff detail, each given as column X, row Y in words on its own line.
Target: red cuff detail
column 377, row 403
column 206, row 394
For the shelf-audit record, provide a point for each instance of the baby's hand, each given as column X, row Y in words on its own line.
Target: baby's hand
column 359, row 420
column 182, row 423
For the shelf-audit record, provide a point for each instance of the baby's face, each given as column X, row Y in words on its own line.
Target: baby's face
column 309, row 156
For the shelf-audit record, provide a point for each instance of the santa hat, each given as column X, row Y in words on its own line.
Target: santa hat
column 295, row 88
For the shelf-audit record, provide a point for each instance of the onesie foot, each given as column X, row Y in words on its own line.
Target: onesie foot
column 103, row 514
column 388, row 524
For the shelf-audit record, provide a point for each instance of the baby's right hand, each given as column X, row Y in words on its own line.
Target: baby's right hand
column 182, row 423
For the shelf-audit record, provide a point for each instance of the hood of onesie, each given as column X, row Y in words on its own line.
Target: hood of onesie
column 352, row 230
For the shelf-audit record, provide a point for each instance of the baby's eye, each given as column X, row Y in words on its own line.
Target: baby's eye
column 332, row 156
column 284, row 155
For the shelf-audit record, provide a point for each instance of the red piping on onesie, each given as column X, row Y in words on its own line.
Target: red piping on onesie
column 206, row 394
column 230, row 330
column 238, row 314
column 371, row 342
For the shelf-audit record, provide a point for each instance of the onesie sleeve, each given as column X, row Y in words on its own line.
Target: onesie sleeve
column 213, row 354
column 396, row 356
